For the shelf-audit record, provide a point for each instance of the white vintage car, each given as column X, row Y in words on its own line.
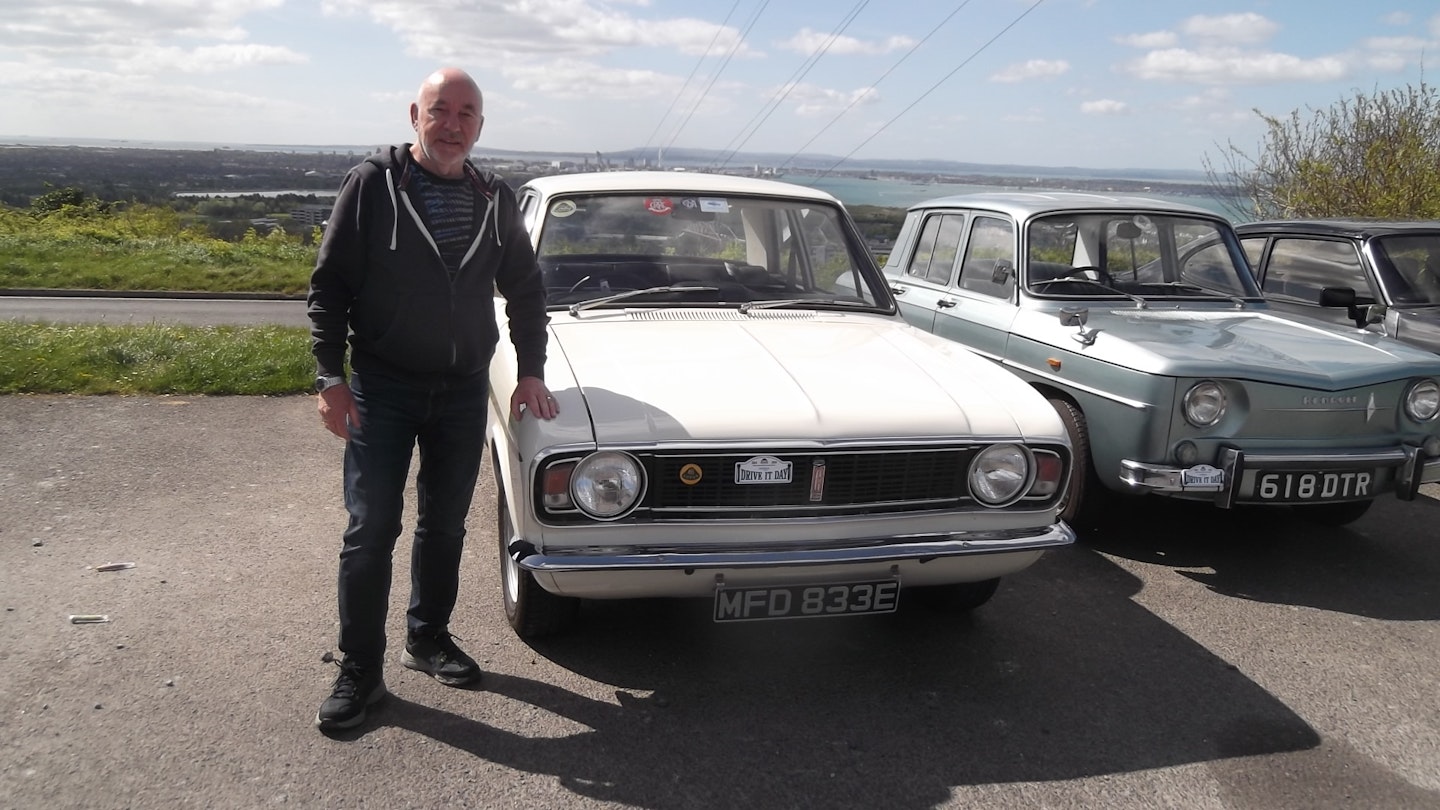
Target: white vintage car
column 745, row 417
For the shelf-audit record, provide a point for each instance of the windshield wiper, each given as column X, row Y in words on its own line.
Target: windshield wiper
column 1239, row 301
column 1140, row 303
column 579, row 306
column 784, row 302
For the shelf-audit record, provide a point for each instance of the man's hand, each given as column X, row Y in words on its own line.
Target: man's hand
column 531, row 396
column 337, row 410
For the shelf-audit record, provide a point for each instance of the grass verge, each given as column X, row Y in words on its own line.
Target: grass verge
column 42, row 358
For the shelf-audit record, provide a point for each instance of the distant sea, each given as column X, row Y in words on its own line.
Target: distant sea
column 891, row 193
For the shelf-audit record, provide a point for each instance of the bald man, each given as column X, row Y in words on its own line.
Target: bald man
column 415, row 247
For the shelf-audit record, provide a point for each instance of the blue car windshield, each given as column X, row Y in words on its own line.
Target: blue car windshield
column 1152, row 255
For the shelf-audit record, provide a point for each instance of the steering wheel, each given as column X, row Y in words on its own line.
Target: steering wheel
column 1101, row 274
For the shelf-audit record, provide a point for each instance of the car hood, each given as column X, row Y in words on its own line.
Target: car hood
column 778, row 377
column 1247, row 344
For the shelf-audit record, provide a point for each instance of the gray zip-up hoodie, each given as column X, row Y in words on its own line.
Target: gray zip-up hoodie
column 380, row 280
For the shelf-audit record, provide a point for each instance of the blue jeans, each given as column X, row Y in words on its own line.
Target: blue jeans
column 447, row 422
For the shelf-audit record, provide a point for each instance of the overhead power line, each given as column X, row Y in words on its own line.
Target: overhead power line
column 721, row 69
column 934, row 86
column 686, row 86
column 783, row 91
column 874, row 84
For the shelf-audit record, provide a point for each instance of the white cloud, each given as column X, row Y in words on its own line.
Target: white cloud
column 209, row 59
column 84, row 24
column 1248, row 28
column 1234, row 67
column 1104, row 106
column 444, row 30
column 575, row 79
column 810, row 100
column 1154, row 39
column 1399, row 18
column 1032, row 69
column 1205, row 99
column 808, row 42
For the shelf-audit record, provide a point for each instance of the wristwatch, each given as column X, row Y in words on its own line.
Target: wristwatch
column 327, row 381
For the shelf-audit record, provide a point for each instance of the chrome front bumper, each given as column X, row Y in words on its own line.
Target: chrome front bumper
column 1411, row 469
column 860, row 551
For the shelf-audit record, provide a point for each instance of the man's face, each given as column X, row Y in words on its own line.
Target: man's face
column 447, row 119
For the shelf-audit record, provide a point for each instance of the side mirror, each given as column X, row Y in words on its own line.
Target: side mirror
column 1337, row 297
column 1074, row 316
column 1375, row 313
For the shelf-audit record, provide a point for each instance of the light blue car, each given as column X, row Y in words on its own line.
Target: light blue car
column 1142, row 325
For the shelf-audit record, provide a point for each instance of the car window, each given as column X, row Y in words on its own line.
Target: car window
column 1299, row 268
column 1152, row 255
column 1409, row 267
column 746, row 248
column 939, row 244
column 1254, row 247
column 989, row 265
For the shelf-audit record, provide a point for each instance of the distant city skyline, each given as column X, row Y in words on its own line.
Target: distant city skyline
column 1099, row 84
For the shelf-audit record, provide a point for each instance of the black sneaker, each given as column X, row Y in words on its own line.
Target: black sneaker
column 436, row 655
column 356, row 688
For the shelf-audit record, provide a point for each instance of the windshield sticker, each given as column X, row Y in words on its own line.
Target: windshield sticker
column 563, row 208
column 714, row 205
column 764, row 470
column 691, row 474
column 659, row 205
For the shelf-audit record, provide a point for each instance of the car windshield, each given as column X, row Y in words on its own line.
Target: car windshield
column 703, row 250
column 1409, row 267
column 1127, row 254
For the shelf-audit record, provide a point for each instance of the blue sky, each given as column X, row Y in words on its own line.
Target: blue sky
column 1087, row 83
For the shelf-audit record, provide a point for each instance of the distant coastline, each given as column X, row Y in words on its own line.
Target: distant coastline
column 885, row 183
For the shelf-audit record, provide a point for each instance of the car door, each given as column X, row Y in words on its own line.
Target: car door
column 920, row 277
column 982, row 300
column 1294, row 269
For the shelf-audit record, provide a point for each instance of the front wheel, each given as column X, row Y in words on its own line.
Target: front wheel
column 1085, row 496
column 532, row 611
column 1334, row 514
column 960, row 597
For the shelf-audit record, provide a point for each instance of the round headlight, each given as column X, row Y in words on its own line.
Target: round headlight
column 606, row 484
column 1422, row 401
column 1000, row 474
column 1204, row 404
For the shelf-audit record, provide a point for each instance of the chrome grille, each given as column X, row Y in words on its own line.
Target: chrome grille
column 822, row 481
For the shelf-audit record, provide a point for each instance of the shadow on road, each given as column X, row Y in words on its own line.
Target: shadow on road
column 1379, row 567
column 1062, row 676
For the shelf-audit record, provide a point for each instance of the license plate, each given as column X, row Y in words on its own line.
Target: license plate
column 738, row 604
column 1311, row 487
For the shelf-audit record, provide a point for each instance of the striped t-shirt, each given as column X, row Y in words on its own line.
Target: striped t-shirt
column 448, row 208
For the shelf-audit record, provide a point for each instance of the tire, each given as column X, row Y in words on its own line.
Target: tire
column 532, row 611
column 1085, row 496
column 1334, row 514
column 961, row 597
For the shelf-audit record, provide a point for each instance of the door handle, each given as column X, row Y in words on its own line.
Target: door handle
column 898, row 290
column 946, row 303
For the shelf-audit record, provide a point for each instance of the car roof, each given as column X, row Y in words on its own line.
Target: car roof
column 672, row 183
column 1022, row 204
column 1352, row 228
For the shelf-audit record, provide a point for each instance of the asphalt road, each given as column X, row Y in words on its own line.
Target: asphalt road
column 1180, row 657
column 166, row 309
